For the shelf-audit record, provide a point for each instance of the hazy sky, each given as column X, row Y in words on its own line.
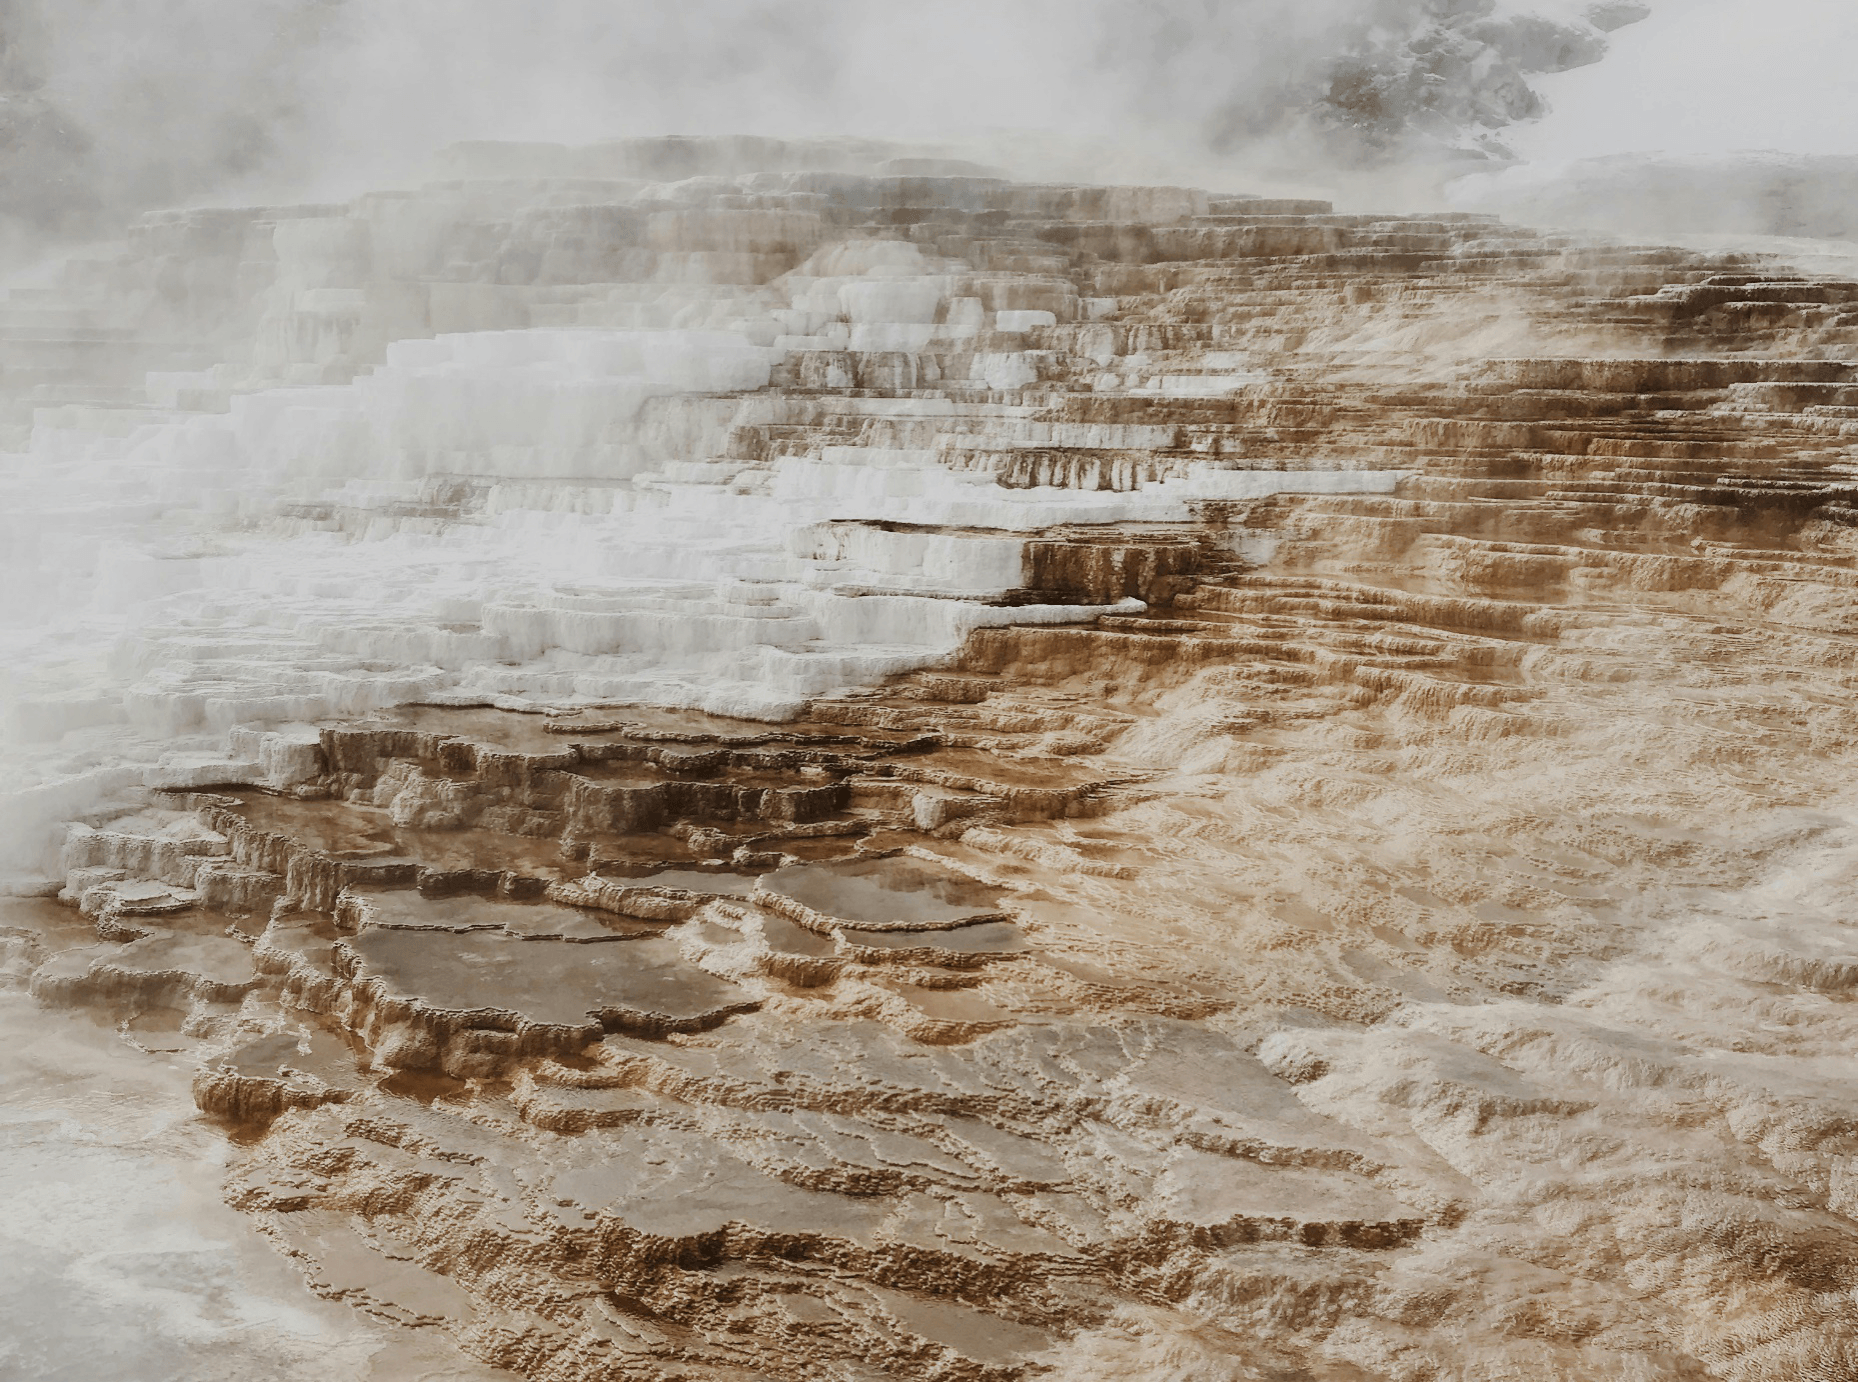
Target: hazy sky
column 244, row 93
column 422, row 73
column 255, row 99
column 1709, row 76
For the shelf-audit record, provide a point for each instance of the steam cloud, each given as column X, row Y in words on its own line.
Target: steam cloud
column 112, row 106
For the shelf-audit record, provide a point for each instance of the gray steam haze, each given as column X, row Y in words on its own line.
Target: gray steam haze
column 108, row 107
column 1724, row 118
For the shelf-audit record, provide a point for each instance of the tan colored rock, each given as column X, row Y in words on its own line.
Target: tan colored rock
column 1385, row 930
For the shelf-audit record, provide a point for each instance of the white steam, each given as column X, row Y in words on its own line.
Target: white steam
column 286, row 98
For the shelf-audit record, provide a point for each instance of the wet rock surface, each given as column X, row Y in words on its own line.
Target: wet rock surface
column 1381, row 927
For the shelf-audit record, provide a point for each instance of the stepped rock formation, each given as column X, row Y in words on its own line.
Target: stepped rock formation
column 738, row 760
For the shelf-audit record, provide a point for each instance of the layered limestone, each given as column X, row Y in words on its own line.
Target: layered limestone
column 886, row 773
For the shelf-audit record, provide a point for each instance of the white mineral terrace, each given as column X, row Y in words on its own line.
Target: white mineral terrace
column 696, row 760
column 497, row 516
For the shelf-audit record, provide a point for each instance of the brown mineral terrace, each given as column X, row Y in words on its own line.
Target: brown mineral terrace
column 1395, row 933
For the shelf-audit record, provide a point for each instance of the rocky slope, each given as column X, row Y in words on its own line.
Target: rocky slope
column 734, row 760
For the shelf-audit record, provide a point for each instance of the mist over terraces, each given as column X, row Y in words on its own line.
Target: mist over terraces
column 739, row 758
column 109, row 108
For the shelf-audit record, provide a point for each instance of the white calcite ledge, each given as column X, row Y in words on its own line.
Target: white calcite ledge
column 552, row 516
column 610, row 561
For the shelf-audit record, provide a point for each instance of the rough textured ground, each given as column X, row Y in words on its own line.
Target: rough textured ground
column 1397, row 932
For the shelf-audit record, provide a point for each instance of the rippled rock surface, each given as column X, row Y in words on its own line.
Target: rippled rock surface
column 826, row 769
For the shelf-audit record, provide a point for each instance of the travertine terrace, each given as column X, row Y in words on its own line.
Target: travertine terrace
column 751, row 760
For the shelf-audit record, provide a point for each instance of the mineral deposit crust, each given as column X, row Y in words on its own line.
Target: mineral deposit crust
column 855, row 775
